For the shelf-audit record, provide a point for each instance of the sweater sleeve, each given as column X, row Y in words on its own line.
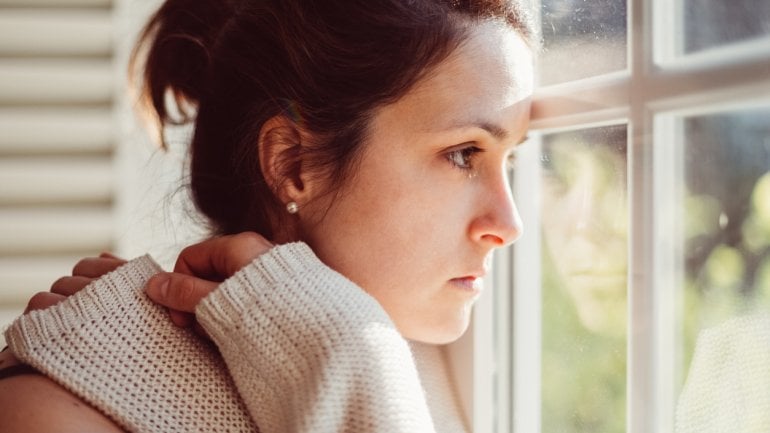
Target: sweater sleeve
column 310, row 351
column 114, row 348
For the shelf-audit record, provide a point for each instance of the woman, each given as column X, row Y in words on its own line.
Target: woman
column 585, row 210
column 369, row 142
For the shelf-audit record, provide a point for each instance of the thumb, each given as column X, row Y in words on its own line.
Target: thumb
column 178, row 291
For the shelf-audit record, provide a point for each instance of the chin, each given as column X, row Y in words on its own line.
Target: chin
column 443, row 333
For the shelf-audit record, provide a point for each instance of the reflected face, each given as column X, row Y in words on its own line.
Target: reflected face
column 585, row 227
column 416, row 225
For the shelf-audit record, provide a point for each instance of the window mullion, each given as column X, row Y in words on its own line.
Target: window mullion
column 667, row 263
column 640, row 414
column 681, row 83
column 527, row 296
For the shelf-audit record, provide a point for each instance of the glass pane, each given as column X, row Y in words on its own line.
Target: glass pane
column 710, row 23
column 726, row 315
column 584, row 265
column 581, row 39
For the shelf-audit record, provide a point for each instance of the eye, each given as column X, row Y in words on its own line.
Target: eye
column 463, row 158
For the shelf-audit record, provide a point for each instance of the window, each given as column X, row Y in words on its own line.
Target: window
column 584, row 266
column 78, row 175
column 638, row 298
column 56, row 141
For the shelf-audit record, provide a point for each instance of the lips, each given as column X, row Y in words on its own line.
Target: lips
column 469, row 283
column 473, row 280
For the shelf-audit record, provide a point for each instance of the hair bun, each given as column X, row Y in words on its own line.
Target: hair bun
column 175, row 50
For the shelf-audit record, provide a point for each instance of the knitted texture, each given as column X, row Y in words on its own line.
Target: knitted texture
column 111, row 346
column 308, row 349
column 312, row 352
column 728, row 386
column 444, row 406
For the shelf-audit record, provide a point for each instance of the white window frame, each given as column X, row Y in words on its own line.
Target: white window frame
column 56, row 142
column 502, row 349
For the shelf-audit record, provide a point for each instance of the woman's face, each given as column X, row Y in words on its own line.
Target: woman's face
column 416, row 225
column 585, row 227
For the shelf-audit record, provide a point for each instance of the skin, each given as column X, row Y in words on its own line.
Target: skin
column 429, row 222
column 22, row 397
column 417, row 224
column 419, row 166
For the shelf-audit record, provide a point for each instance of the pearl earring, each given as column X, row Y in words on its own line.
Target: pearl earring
column 292, row 207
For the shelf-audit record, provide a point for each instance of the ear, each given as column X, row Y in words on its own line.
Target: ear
column 281, row 142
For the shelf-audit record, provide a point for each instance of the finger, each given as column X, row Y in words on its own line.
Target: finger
column 95, row 267
column 70, row 285
column 218, row 258
column 43, row 300
column 181, row 319
column 7, row 359
column 178, row 291
column 109, row 255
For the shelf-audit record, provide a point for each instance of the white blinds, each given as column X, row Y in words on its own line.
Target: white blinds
column 57, row 140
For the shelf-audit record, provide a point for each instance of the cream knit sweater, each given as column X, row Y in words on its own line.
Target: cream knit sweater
column 306, row 351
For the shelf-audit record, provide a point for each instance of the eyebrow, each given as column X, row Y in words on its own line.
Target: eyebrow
column 498, row 132
column 495, row 130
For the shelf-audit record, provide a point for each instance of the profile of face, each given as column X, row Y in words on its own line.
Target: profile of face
column 585, row 224
column 429, row 201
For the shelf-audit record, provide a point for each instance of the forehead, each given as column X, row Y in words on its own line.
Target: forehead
column 488, row 79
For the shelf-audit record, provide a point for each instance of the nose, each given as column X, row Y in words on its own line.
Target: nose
column 580, row 202
column 497, row 222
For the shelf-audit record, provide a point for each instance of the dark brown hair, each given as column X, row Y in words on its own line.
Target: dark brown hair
column 325, row 64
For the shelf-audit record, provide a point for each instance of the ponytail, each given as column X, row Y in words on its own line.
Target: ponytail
column 178, row 41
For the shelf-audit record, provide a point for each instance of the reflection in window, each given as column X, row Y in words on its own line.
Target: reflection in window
column 585, row 264
column 581, row 39
column 726, row 315
column 713, row 23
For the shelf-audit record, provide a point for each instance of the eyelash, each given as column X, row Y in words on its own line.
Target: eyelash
column 466, row 156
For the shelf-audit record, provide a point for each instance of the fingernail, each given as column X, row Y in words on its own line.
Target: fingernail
column 157, row 287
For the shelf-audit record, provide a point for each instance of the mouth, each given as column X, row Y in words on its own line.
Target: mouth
column 470, row 284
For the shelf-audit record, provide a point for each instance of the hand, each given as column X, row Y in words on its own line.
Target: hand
column 84, row 272
column 7, row 359
column 199, row 270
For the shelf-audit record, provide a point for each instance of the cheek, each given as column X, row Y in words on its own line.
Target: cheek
column 393, row 228
column 400, row 235
column 386, row 222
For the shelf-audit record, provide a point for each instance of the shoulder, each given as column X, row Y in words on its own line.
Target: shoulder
column 33, row 403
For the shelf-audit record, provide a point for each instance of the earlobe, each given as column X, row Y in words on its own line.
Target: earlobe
column 280, row 157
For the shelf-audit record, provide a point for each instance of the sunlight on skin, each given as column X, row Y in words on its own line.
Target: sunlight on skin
column 432, row 186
